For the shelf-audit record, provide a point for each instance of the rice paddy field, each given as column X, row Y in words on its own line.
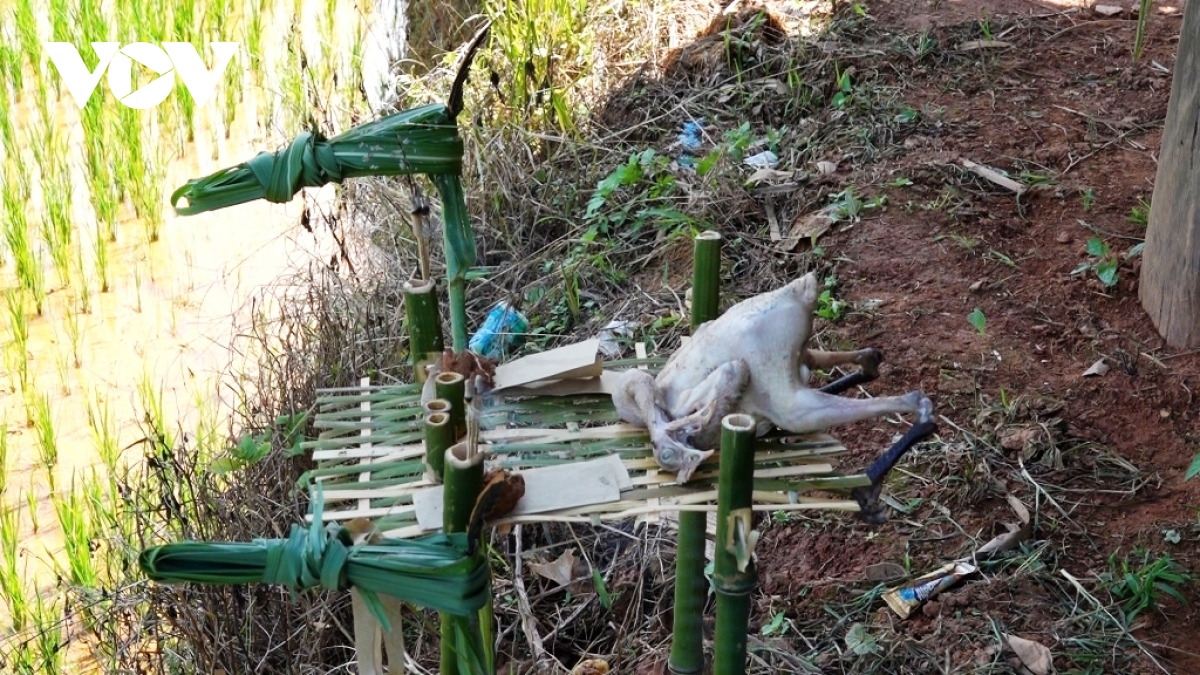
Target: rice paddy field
column 119, row 317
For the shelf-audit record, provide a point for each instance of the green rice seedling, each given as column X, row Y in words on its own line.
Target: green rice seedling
column 31, row 505
column 97, row 121
column 50, row 151
column 232, row 99
column 12, row 76
column 93, row 25
column 151, row 402
column 14, row 192
column 129, row 164
column 27, row 35
column 83, row 287
column 100, row 249
column 12, row 587
column 42, row 420
column 3, row 460
column 252, row 35
column 62, row 27
column 48, row 631
column 183, row 29
column 8, row 134
column 18, row 349
column 72, row 511
column 104, row 431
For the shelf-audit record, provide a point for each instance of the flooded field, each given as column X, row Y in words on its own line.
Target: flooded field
column 119, row 316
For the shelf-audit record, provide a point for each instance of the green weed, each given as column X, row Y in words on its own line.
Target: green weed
column 1139, row 214
column 1139, row 36
column 1088, row 196
column 544, row 48
column 977, row 319
column 1105, row 263
column 3, row 460
column 1140, row 583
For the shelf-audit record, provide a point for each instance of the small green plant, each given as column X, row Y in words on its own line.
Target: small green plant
column 12, row 590
column 18, row 349
column 104, row 431
column 977, row 319
column 845, row 90
column 1104, row 262
column 42, row 419
column 3, row 459
column 828, row 307
column 1140, row 583
column 1139, row 36
column 73, row 514
column 1088, row 197
column 1139, row 214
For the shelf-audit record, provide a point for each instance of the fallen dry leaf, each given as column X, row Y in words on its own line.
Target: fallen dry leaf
column 1098, row 368
column 827, row 168
column 591, row 667
column 1034, row 655
column 558, row 570
column 1108, row 10
column 809, row 227
column 765, row 175
column 1017, row 439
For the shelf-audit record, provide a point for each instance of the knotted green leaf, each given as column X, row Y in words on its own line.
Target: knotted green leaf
column 424, row 140
column 433, row 571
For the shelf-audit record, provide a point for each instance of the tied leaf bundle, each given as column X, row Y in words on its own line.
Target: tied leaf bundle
column 434, row 571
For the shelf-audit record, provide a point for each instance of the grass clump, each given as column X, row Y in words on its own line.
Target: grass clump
column 1140, row 583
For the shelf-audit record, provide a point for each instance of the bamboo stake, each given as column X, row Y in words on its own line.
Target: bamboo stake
column 734, row 574
column 687, row 644
column 424, row 325
column 464, row 481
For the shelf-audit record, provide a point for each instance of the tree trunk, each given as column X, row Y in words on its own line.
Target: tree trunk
column 1170, row 285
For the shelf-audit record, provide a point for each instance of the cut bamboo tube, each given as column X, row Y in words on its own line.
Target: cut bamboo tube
column 734, row 574
column 452, row 388
column 424, row 325
column 439, row 436
column 687, row 644
column 463, row 480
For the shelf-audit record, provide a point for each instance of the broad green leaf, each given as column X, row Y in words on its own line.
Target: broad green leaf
column 1096, row 247
column 859, row 641
column 978, row 320
column 774, row 626
column 1194, row 469
column 1107, row 272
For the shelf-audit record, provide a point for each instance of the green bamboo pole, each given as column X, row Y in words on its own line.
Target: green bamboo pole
column 463, row 482
column 691, row 588
column 452, row 387
column 460, row 253
column 439, row 436
column 734, row 575
column 424, row 325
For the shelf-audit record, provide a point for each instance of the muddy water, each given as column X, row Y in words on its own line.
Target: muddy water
column 170, row 316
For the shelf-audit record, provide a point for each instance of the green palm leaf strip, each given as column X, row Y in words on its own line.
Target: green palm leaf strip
column 434, row 571
column 423, row 140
